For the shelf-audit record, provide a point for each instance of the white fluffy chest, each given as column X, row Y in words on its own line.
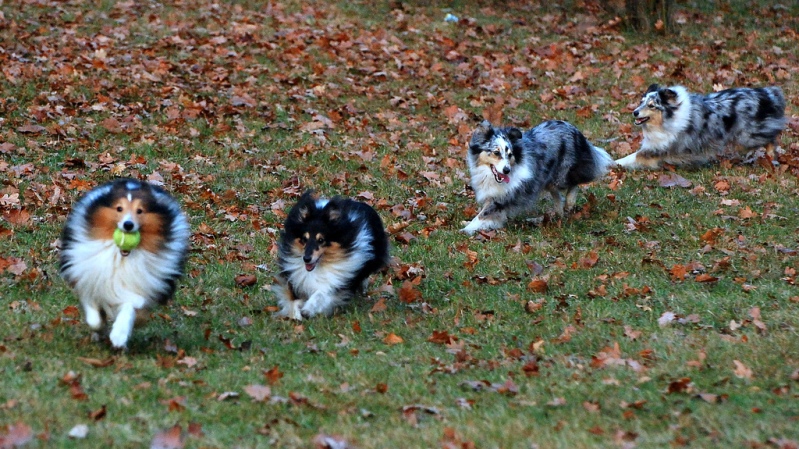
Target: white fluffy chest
column 486, row 187
column 102, row 275
column 657, row 139
column 325, row 278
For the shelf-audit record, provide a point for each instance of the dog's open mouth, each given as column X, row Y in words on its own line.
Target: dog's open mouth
column 310, row 266
column 641, row 120
column 499, row 177
column 124, row 253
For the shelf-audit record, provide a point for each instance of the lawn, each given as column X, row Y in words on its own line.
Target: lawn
column 663, row 312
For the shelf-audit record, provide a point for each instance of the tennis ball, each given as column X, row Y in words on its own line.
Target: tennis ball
column 126, row 241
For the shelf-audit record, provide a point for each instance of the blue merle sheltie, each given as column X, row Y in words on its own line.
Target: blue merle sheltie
column 328, row 249
column 114, row 284
column 683, row 128
column 509, row 169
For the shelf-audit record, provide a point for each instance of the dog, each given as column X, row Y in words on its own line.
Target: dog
column 112, row 283
column 683, row 128
column 509, row 169
column 328, row 249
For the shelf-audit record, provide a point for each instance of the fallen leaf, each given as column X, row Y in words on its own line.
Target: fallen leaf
column 171, row 438
column 18, row 435
column 393, row 339
column 742, row 371
column 259, row 393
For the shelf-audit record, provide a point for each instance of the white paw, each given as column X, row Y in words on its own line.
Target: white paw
column 119, row 337
column 318, row 304
column 627, row 161
column 291, row 310
column 478, row 225
column 93, row 319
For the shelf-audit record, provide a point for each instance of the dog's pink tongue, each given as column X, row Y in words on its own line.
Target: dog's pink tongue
column 505, row 178
column 310, row 266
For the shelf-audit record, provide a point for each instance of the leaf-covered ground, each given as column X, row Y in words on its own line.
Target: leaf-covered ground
column 663, row 312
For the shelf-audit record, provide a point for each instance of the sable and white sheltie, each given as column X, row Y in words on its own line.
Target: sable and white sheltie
column 113, row 284
column 683, row 128
column 509, row 169
column 328, row 249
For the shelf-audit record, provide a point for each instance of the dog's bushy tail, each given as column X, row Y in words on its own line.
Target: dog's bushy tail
column 602, row 161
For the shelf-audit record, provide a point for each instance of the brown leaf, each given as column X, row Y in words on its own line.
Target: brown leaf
column 538, row 286
column 408, row 293
column 379, row 306
column 245, row 280
column 31, row 129
column 682, row 385
column 97, row 363
column 273, row 375
column 18, row 435
column 393, row 339
column 742, row 371
column 98, row 414
column 171, row 438
column 678, row 272
column 589, row 260
column 442, row 338
column 706, row 278
column 259, row 393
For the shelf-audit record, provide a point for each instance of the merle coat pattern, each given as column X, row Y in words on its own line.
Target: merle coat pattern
column 509, row 169
column 683, row 128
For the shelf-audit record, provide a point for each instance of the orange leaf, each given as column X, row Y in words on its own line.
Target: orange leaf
column 273, row 375
column 393, row 339
column 538, row 286
column 408, row 293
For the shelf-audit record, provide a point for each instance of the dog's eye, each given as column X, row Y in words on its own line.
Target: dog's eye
column 139, row 211
column 303, row 240
column 496, row 153
column 320, row 240
column 651, row 105
column 119, row 208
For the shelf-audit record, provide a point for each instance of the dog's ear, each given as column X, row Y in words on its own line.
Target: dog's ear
column 482, row 133
column 332, row 211
column 652, row 88
column 667, row 96
column 514, row 134
column 304, row 205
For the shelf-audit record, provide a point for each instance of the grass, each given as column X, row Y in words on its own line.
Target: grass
column 216, row 100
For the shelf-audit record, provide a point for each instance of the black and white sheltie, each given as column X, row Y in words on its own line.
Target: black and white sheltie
column 113, row 284
column 509, row 169
column 328, row 249
column 682, row 128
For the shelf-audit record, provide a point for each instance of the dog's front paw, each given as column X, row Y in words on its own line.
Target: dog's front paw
column 627, row 161
column 119, row 338
column 291, row 310
column 318, row 305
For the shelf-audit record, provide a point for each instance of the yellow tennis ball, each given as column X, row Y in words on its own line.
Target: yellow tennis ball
column 126, row 241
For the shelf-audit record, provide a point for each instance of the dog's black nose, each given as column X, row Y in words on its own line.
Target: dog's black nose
column 506, row 170
column 306, row 259
column 128, row 225
column 635, row 113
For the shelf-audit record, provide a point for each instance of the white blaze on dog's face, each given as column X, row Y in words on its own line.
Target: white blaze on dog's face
column 498, row 153
column 655, row 103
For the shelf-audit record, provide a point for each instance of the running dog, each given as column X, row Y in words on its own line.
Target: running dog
column 683, row 128
column 123, row 249
column 509, row 169
column 328, row 249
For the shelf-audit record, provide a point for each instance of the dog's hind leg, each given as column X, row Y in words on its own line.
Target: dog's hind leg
column 557, row 200
column 571, row 198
